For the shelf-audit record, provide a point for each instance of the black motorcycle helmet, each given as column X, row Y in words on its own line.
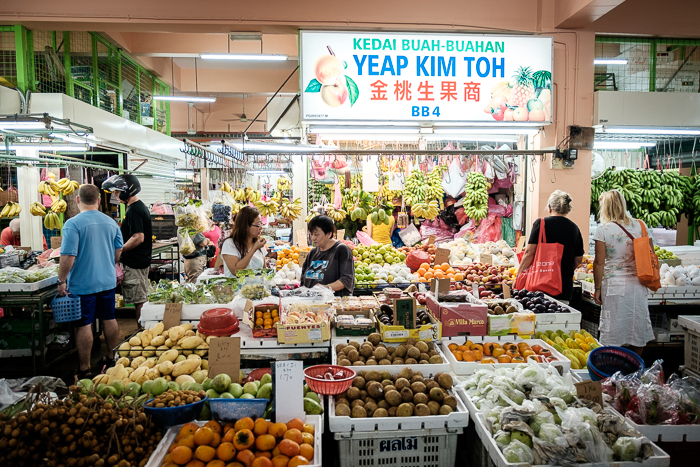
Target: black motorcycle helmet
column 127, row 186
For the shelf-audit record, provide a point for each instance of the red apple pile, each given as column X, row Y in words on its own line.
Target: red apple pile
column 487, row 274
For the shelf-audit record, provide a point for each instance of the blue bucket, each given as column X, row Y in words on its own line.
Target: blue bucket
column 603, row 362
column 169, row 416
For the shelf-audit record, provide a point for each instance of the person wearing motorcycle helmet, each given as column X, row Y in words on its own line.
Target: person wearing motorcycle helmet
column 136, row 230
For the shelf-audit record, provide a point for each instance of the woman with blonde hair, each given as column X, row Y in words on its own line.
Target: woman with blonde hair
column 558, row 229
column 624, row 317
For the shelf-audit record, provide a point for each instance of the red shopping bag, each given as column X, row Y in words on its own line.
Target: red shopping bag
column 544, row 274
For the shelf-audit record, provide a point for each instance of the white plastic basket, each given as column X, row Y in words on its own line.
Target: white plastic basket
column 405, row 448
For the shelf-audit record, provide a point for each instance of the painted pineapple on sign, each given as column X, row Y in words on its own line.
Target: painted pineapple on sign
column 526, row 97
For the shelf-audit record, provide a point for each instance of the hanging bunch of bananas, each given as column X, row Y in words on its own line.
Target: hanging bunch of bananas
column 235, row 208
column 415, row 188
column 11, row 209
column 290, row 210
column 59, row 206
column 47, row 188
column 67, row 187
column 240, row 195
column 226, row 188
column 385, row 192
column 283, row 184
column 267, row 208
column 476, row 196
column 426, row 209
column 253, row 196
column 312, row 213
column 37, row 209
column 337, row 215
column 52, row 221
column 434, row 188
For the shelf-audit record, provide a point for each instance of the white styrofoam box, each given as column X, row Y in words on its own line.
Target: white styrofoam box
column 659, row 459
column 406, row 448
column 426, row 369
column 588, row 287
column 690, row 322
column 687, row 254
column 662, row 335
column 161, row 450
column 29, row 286
column 676, row 293
column 467, row 368
column 573, row 317
column 668, row 433
column 581, row 375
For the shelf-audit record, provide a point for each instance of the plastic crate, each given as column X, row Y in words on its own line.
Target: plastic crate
column 435, row 447
column 692, row 351
column 591, row 327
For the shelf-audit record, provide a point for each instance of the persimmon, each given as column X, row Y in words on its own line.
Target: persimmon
column 536, row 348
column 509, row 345
column 512, row 353
column 195, row 463
column 459, row 355
column 267, row 454
column 503, row 359
column 469, row 356
column 497, row 352
column 307, row 451
column 245, row 423
column 265, row 442
column 228, row 426
column 243, row 439
column 261, row 462
column 276, row 452
column 308, row 428
column 216, row 441
column 246, row 457
column 235, row 464
column 517, row 360
column 181, row 455
column 228, row 437
column 489, row 348
column 280, row 461
column 289, row 448
column 452, row 346
column 187, row 441
column 464, row 348
column 261, row 427
column 216, row 463
column 527, row 352
column 187, row 429
column 297, row 460
column 214, row 426
column 226, row 451
column 205, row 453
column 170, row 464
column 478, row 347
column 203, row 435
column 488, row 360
column 478, row 354
column 294, row 434
column 277, row 429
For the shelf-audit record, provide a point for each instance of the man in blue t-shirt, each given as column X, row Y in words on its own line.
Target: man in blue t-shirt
column 92, row 244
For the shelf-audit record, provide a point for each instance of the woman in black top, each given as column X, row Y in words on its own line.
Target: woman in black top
column 558, row 229
column 331, row 262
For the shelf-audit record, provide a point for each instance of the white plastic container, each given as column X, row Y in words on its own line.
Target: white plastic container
column 426, row 369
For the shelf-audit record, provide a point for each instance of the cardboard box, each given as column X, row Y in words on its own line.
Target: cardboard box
column 459, row 318
column 304, row 333
column 249, row 318
column 426, row 332
column 522, row 324
column 342, row 329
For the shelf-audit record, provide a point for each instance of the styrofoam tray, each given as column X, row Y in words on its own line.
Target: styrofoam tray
column 659, row 459
column 29, row 286
column 690, row 322
column 467, row 368
column 680, row 292
column 161, row 451
column 668, row 433
column 573, row 317
column 429, row 369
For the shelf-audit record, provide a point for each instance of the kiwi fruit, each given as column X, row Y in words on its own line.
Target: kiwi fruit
column 435, row 359
column 437, row 395
column 407, row 373
column 386, row 375
column 344, row 362
column 424, row 362
column 418, row 386
column 404, row 410
column 430, row 385
column 366, row 350
column 421, row 410
column 375, row 390
column 358, row 412
column 434, row 407
column 355, row 344
column 373, row 375
column 358, row 382
column 433, row 352
column 380, row 412
column 353, row 355
column 445, row 381
column 498, row 310
column 398, row 361
column 390, row 387
column 393, row 398
column 450, row 401
column 418, row 373
column 387, row 382
column 346, row 350
column 406, row 394
column 339, row 348
column 354, row 393
column 362, row 373
column 431, row 345
column 410, row 341
column 445, row 410
column 402, row 383
column 420, row 398
column 416, row 377
column 369, row 399
column 357, row 402
column 385, row 361
column 363, row 394
column 411, row 361
column 382, row 404
column 370, row 407
column 380, row 353
column 392, row 411
column 342, row 401
column 422, row 346
column 358, row 363
column 391, row 349
column 424, row 356
column 413, row 352
column 371, row 361
column 342, row 395
column 342, row 410
column 400, row 351
column 361, row 359
column 375, row 338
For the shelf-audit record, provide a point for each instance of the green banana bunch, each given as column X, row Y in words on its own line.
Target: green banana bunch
column 415, row 188
column 52, row 221
column 476, row 196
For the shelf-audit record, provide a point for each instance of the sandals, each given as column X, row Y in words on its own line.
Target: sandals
column 105, row 363
column 83, row 374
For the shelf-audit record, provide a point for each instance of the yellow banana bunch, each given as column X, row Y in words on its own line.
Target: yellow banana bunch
column 235, row 208
column 59, row 206
column 267, row 208
column 254, row 196
column 283, row 184
column 290, row 210
column 37, row 209
column 240, row 195
column 11, row 210
column 52, row 221
column 311, row 215
column 67, row 187
column 336, row 214
column 426, row 210
column 225, row 187
column 45, row 188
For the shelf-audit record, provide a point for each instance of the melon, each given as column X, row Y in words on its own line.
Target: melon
column 416, row 258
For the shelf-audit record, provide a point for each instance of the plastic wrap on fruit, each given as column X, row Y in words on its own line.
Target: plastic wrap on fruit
column 654, row 374
column 517, row 453
column 626, row 449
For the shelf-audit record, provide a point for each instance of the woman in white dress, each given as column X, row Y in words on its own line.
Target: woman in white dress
column 624, row 317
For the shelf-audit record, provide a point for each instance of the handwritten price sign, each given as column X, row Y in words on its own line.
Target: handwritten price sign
column 225, row 357
column 288, row 379
column 591, row 390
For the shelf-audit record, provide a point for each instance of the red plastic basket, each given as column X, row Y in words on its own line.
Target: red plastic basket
column 327, row 387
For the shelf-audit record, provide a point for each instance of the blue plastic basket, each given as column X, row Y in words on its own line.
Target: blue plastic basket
column 603, row 362
column 66, row 308
column 169, row 416
column 230, row 410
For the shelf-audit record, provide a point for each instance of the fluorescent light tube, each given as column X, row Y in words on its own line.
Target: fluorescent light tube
column 364, row 130
column 609, row 61
column 622, row 144
column 473, row 138
column 385, row 136
column 265, row 172
column 259, row 57
column 75, row 139
column 184, row 98
column 12, row 125
column 276, row 147
column 487, row 131
column 651, row 131
column 47, row 147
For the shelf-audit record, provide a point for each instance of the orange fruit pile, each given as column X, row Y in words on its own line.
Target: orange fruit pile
column 493, row 352
column 289, row 256
column 440, row 271
column 266, row 319
column 246, row 443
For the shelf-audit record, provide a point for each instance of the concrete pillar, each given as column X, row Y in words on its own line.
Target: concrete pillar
column 28, row 178
column 300, row 190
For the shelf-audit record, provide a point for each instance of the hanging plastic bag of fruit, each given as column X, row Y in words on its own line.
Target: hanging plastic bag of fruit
column 489, row 229
column 338, row 197
column 454, row 180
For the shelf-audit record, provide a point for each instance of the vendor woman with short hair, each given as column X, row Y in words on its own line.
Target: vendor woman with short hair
column 330, row 262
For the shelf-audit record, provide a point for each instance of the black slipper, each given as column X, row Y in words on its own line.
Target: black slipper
column 83, row 374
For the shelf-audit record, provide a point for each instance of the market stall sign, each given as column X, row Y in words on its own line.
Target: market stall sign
column 405, row 312
column 301, row 238
column 340, row 234
column 486, row 258
column 171, row 315
column 442, row 255
column 56, row 242
column 288, row 377
column 417, row 77
column 225, row 357
column 591, row 390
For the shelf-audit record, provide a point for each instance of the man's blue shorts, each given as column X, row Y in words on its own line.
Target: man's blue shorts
column 98, row 305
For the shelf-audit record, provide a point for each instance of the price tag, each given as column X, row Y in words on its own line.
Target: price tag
column 486, row 258
column 301, row 238
column 442, row 255
column 521, row 244
column 431, row 239
column 506, row 291
column 396, row 334
column 225, row 357
column 56, row 242
column 591, row 390
column 439, row 286
column 340, row 234
column 425, row 335
column 288, row 382
column 314, row 334
column 475, row 289
column 171, row 316
column 302, row 257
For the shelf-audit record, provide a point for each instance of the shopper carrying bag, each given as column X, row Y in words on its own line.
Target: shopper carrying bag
column 544, row 273
column 646, row 259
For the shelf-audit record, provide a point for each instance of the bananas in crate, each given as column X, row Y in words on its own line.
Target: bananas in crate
column 52, row 221
column 336, row 214
column 59, row 206
column 476, row 196
column 37, row 209
column 11, row 209
column 290, row 210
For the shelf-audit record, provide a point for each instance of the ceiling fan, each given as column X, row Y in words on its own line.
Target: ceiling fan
column 241, row 117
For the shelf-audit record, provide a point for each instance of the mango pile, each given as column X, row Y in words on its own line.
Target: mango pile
column 576, row 345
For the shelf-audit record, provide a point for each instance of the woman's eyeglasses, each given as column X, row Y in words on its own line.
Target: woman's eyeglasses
column 259, row 226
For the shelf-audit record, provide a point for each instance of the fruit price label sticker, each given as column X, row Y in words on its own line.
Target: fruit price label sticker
column 431, row 239
column 442, row 255
column 301, row 238
column 591, row 390
column 340, row 234
column 225, row 357
column 506, row 291
column 405, row 312
column 486, row 258
column 171, row 315
column 56, row 242
column 302, row 257
column 288, row 381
